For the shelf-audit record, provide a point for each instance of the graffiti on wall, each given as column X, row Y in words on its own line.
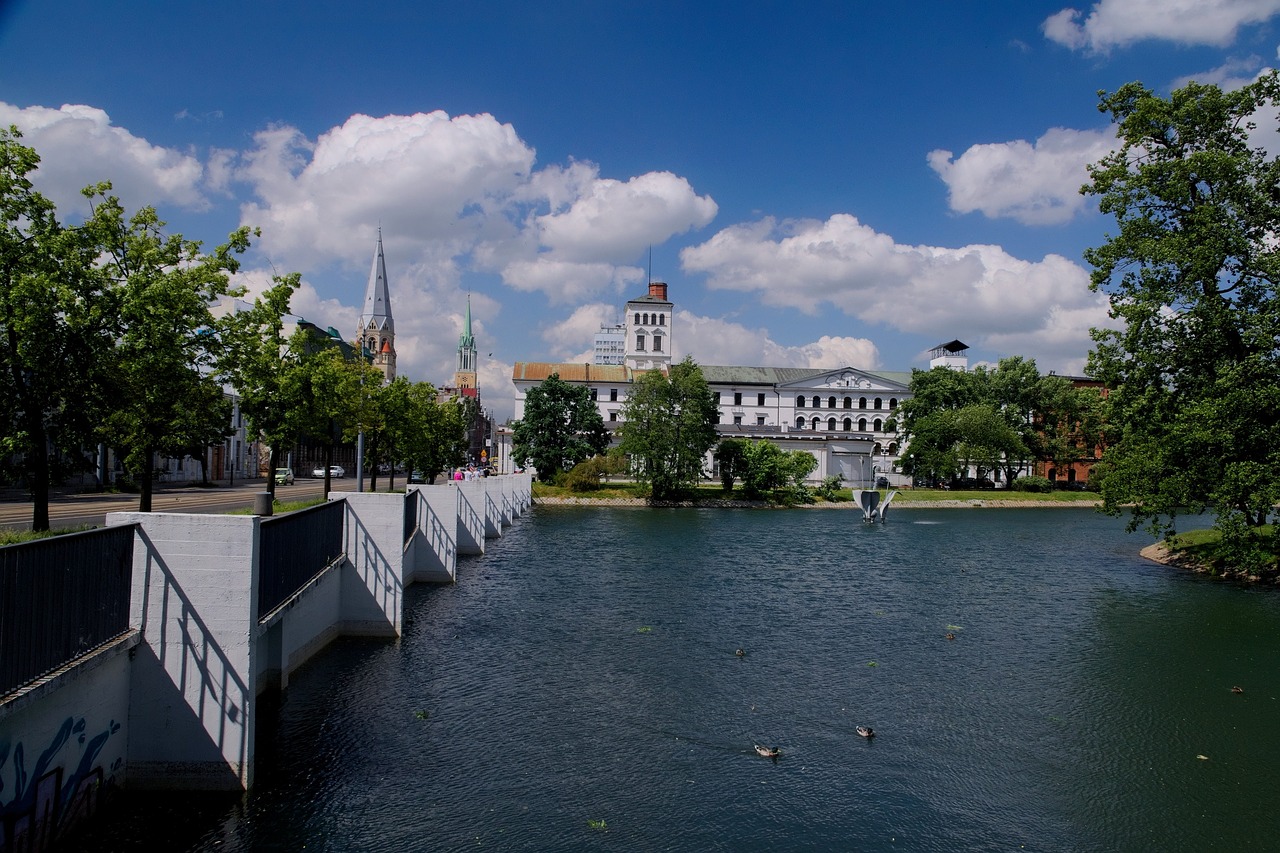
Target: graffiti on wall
column 39, row 802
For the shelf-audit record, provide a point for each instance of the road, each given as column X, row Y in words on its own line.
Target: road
column 74, row 510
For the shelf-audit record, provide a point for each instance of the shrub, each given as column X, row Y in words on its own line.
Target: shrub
column 1032, row 484
column 830, row 488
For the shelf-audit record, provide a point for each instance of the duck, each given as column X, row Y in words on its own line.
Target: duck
column 767, row 751
column 1237, row 689
column 865, row 731
column 951, row 636
column 741, row 653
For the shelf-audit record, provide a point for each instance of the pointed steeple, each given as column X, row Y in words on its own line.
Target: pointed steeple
column 377, row 299
column 377, row 333
column 464, row 375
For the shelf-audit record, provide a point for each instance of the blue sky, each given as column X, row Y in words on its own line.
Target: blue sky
column 821, row 183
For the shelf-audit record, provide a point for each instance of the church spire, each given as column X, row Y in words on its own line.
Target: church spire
column 377, row 334
column 465, row 374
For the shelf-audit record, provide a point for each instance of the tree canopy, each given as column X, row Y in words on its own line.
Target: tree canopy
column 560, row 428
column 668, row 427
column 1191, row 273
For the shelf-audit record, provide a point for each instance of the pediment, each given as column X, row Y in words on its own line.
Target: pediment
column 845, row 379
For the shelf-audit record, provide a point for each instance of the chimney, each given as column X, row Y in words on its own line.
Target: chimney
column 658, row 290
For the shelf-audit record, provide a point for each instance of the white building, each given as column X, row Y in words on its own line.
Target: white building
column 610, row 345
column 844, row 416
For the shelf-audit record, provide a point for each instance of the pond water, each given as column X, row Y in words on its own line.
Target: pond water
column 579, row 689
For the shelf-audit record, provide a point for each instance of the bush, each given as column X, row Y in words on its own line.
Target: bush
column 1032, row 484
column 830, row 488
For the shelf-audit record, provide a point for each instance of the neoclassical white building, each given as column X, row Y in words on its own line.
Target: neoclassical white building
column 844, row 416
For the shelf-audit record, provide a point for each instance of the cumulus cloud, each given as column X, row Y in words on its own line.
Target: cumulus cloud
column 805, row 264
column 79, row 146
column 1229, row 76
column 566, row 336
column 714, row 340
column 1116, row 23
column 1034, row 183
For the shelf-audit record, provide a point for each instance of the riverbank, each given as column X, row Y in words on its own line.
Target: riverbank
column 898, row 503
column 1164, row 555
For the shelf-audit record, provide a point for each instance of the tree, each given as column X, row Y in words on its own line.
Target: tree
column 56, row 320
column 166, row 344
column 767, row 469
column 731, row 457
column 668, row 427
column 258, row 364
column 1191, row 275
column 325, row 400
column 432, row 436
column 560, row 428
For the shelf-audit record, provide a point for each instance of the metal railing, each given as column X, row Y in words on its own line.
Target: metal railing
column 294, row 549
column 411, row 499
column 60, row 598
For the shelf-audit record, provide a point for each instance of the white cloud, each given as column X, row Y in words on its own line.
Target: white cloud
column 929, row 290
column 714, row 340
column 567, row 336
column 79, row 146
column 1229, row 76
column 616, row 219
column 1036, row 184
column 1116, row 23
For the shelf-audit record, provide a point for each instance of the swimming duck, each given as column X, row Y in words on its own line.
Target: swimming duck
column 865, row 731
column 1237, row 689
column 767, row 752
column 741, row 653
column 951, row 636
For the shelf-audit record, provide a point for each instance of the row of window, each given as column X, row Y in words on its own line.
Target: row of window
column 877, row 403
column 650, row 319
column 846, row 425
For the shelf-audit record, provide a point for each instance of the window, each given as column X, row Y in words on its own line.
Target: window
column 815, row 423
column 799, row 423
column 799, row 402
column 759, row 399
column 862, row 424
column 848, row 424
column 737, row 398
column 595, row 394
column 637, row 318
column 893, row 403
column 759, row 420
column 662, row 319
column 848, row 402
column 862, row 402
column 877, row 404
column 640, row 342
column 613, row 416
column 613, row 395
column 831, row 424
column 657, row 343
column 737, row 419
column 877, row 425
column 831, row 402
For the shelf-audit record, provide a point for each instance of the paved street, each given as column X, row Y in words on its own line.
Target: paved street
column 72, row 510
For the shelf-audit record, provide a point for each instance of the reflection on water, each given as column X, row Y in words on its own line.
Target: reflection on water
column 584, row 670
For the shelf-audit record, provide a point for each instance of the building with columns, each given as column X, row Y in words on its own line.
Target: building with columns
column 377, row 328
column 844, row 416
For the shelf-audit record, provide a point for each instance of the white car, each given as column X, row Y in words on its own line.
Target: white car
column 334, row 471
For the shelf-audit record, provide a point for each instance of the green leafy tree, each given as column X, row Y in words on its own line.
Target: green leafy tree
column 560, row 428
column 167, row 347
column 731, row 458
column 57, row 317
column 324, row 394
column 432, row 436
column 668, row 427
column 1191, row 275
column 258, row 364
column 770, row 470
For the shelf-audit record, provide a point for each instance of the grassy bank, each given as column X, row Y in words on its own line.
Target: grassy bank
column 713, row 492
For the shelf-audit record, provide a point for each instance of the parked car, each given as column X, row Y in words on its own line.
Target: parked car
column 284, row 476
column 335, row 471
column 882, row 482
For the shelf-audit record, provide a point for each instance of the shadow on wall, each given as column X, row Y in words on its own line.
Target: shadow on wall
column 190, row 703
